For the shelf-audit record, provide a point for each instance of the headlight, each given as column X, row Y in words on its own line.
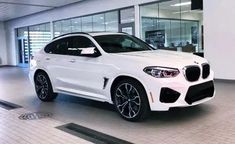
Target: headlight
column 161, row 72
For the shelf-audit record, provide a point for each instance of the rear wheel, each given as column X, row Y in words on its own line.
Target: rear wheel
column 130, row 100
column 43, row 87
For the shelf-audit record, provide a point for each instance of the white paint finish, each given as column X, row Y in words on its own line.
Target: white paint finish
column 3, row 53
column 83, row 76
column 220, row 36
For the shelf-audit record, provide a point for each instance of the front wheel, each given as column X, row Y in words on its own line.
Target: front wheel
column 130, row 100
column 43, row 87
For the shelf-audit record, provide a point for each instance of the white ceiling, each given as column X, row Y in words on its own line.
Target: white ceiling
column 10, row 9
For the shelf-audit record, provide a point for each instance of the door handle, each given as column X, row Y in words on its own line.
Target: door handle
column 72, row 61
column 48, row 58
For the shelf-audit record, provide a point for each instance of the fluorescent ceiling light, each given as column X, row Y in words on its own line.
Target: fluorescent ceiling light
column 188, row 11
column 182, row 4
column 181, row 12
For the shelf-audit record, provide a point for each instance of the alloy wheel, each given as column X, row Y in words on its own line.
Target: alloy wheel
column 127, row 100
column 41, row 85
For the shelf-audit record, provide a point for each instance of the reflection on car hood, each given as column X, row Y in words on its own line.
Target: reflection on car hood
column 164, row 58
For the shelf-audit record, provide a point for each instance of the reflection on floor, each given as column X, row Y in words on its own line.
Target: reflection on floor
column 15, row 131
column 209, row 123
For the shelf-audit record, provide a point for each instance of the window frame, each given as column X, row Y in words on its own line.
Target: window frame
column 98, row 53
column 92, row 43
column 53, row 43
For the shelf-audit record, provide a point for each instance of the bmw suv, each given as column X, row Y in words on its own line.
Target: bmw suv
column 122, row 70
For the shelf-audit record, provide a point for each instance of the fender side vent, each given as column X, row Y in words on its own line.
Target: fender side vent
column 105, row 82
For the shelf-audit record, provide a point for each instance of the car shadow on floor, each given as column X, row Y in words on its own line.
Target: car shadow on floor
column 85, row 102
column 174, row 115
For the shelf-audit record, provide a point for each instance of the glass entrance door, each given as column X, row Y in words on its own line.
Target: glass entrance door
column 23, row 52
column 127, row 28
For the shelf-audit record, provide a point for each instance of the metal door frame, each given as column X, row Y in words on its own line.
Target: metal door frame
column 126, row 25
column 22, row 39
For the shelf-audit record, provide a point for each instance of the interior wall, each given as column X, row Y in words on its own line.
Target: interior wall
column 3, row 56
column 219, row 32
column 74, row 10
column 153, row 12
column 168, row 14
column 219, row 37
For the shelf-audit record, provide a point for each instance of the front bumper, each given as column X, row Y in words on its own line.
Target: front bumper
column 164, row 94
column 200, row 92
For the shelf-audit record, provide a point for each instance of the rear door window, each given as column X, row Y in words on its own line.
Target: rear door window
column 77, row 43
column 58, row 47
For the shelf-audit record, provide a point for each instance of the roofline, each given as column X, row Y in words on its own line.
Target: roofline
column 70, row 34
column 86, row 33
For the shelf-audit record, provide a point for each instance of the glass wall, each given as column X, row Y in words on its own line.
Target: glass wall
column 39, row 36
column 23, row 45
column 127, row 20
column 31, row 39
column 87, row 24
column 98, row 22
column 127, row 15
column 111, row 21
column 172, row 25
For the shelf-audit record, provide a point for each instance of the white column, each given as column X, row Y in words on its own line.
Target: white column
column 3, row 50
column 137, row 21
column 219, row 37
column 52, row 29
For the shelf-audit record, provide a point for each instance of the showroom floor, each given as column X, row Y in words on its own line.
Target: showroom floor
column 209, row 123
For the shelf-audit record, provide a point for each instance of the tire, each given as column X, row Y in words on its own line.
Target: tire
column 130, row 100
column 43, row 87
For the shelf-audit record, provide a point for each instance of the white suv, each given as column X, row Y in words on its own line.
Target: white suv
column 122, row 70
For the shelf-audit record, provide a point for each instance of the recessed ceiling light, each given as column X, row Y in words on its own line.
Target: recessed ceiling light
column 182, row 4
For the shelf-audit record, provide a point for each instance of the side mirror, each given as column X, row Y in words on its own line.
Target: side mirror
column 153, row 46
column 90, row 52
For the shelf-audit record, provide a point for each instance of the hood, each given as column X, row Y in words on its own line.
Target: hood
column 164, row 58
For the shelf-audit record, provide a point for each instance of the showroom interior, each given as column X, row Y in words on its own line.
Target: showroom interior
column 198, row 27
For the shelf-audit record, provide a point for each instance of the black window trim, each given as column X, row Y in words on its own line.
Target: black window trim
column 70, row 36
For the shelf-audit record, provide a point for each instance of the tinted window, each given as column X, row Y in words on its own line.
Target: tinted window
column 77, row 43
column 121, row 43
column 58, row 47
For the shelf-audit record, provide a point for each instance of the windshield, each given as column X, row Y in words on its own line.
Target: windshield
column 121, row 43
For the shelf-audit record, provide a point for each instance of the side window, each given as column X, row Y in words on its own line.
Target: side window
column 77, row 43
column 127, row 43
column 49, row 47
column 58, row 47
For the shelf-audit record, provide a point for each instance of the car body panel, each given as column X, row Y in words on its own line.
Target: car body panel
column 85, row 76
